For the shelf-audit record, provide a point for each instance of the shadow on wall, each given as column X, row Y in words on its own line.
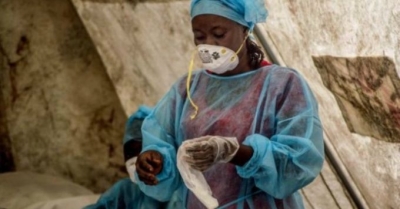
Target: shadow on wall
column 6, row 158
column 59, row 112
column 131, row 1
column 367, row 90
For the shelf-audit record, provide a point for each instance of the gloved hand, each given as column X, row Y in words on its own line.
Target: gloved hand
column 206, row 151
column 131, row 168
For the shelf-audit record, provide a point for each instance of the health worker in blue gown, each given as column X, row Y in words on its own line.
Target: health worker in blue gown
column 268, row 109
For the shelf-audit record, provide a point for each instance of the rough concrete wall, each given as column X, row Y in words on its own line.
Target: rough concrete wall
column 21, row 189
column 367, row 90
column 145, row 47
column 6, row 158
column 63, row 116
column 298, row 30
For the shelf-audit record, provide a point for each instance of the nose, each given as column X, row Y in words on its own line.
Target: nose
column 210, row 41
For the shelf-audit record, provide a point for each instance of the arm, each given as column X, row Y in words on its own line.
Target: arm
column 243, row 155
column 293, row 156
column 133, row 140
column 133, row 134
column 158, row 131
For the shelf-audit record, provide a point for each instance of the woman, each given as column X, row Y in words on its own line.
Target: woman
column 268, row 109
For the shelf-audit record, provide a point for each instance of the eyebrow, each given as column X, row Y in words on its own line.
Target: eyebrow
column 218, row 27
column 213, row 28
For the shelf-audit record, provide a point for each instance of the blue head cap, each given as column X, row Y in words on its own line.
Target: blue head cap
column 244, row 12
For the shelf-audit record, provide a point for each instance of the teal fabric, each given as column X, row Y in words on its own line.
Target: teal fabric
column 271, row 109
column 134, row 124
column 125, row 194
column 244, row 12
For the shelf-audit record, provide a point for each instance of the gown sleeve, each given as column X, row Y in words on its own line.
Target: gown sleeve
column 293, row 155
column 158, row 131
column 133, row 132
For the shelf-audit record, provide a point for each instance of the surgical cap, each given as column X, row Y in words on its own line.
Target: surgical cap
column 244, row 12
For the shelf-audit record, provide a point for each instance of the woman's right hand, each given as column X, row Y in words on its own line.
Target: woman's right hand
column 148, row 165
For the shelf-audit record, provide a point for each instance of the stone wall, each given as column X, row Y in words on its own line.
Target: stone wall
column 62, row 113
column 145, row 47
column 72, row 70
column 367, row 90
column 348, row 30
column 6, row 157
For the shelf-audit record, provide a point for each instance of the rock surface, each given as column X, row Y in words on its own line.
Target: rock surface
column 23, row 189
column 68, row 83
column 367, row 90
column 300, row 30
column 62, row 113
column 145, row 47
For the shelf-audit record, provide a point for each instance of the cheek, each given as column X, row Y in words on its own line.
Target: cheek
column 231, row 44
column 234, row 42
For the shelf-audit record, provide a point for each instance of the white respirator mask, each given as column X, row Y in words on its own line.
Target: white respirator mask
column 218, row 59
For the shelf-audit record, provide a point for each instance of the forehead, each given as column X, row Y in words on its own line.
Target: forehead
column 209, row 21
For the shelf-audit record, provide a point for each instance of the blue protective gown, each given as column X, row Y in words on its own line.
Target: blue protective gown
column 125, row 194
column 271, row 109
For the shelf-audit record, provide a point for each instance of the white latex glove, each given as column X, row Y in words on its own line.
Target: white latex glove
column 206, row 151
column 131, row 168
column 194, row 179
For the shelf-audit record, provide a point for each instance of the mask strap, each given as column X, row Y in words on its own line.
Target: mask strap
column 240, row 48
column 189, row 77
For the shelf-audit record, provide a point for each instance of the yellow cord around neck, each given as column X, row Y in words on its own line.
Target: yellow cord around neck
column 241, row 46
column 189, row 78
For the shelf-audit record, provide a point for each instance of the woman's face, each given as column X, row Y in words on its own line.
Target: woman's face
column 220, row 31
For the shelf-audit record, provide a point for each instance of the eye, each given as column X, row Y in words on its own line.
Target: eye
column 219, row 35
column 198, row 35
column 199, row 38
